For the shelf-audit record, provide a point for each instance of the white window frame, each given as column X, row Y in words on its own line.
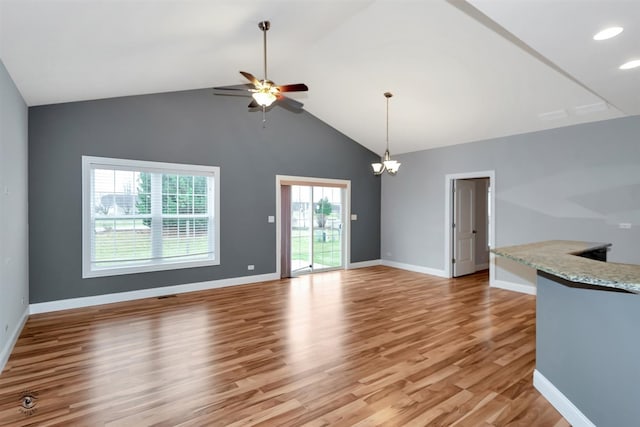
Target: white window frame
column 90, row 162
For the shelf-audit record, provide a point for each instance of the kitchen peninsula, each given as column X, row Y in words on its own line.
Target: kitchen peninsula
column 587, row 331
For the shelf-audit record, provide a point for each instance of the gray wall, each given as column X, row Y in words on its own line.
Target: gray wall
column 587, row 347
column 14, row 273
column 194, row 127
column 575, row 183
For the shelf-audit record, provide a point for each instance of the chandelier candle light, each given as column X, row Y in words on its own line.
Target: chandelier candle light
column 391, row 166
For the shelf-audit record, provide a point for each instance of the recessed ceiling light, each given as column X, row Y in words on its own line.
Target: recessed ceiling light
column 608, row 33
column 631, row 64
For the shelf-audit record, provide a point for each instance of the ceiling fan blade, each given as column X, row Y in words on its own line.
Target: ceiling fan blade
column 250, row 77
column 298, row 87
column 245, row 86
column 253, row 104
column 290, row 102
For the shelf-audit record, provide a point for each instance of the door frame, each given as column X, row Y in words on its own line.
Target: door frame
column 448, row 223
column 346, row 223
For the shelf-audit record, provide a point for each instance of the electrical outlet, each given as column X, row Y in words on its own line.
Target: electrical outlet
column 251, row 267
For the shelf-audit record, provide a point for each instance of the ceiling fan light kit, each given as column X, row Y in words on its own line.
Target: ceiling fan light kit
column 265, row 92
column 264, row 98
column 391, row 166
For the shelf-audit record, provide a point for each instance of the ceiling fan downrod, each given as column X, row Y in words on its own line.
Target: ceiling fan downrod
column 264, row 26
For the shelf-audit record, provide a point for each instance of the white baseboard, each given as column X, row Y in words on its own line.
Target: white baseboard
column 516, row 287
column 416, row 268
column 8, row 347
column 363, row 264
column 559, row 401
column 66, row 304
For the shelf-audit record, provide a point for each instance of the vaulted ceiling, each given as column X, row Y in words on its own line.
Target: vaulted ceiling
column 459, row 71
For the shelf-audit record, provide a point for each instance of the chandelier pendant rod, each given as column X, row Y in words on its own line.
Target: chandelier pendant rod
column 388, row 95
column 387, row 123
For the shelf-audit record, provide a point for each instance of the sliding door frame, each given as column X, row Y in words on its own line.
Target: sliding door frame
column 318, row 182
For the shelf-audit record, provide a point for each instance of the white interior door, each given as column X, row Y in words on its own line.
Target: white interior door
column 464, row 231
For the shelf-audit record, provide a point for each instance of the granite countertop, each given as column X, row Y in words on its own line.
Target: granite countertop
column 559, row 257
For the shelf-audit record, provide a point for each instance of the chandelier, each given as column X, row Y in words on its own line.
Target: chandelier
column 391, row 166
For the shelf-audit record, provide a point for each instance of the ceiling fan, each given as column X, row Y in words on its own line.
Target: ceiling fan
column 265, row 92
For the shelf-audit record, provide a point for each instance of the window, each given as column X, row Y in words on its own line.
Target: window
column 147, row 216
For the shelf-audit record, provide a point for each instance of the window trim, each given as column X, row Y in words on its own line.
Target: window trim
column 91, row 162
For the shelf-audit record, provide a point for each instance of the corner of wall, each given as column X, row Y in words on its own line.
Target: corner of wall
column 363, row 264
column 559, row 401
column 415, row 268
column 11, row 342
column 14, row 231
column 516, row 287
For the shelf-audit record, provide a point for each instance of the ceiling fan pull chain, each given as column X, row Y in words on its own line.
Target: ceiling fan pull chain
column 264, row 117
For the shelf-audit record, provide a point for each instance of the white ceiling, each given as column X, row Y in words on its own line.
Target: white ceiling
column 459, row 71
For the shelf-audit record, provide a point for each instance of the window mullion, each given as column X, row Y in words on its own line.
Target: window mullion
column 156, row 215
column 211, row 227
column 92, row 216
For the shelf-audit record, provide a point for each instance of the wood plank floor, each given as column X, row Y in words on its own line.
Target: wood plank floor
column 373, row 346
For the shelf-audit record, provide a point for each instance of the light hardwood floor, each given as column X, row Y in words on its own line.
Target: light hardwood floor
column 374, row 346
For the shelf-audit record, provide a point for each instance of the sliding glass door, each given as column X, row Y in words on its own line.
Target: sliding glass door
column 316, row 228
